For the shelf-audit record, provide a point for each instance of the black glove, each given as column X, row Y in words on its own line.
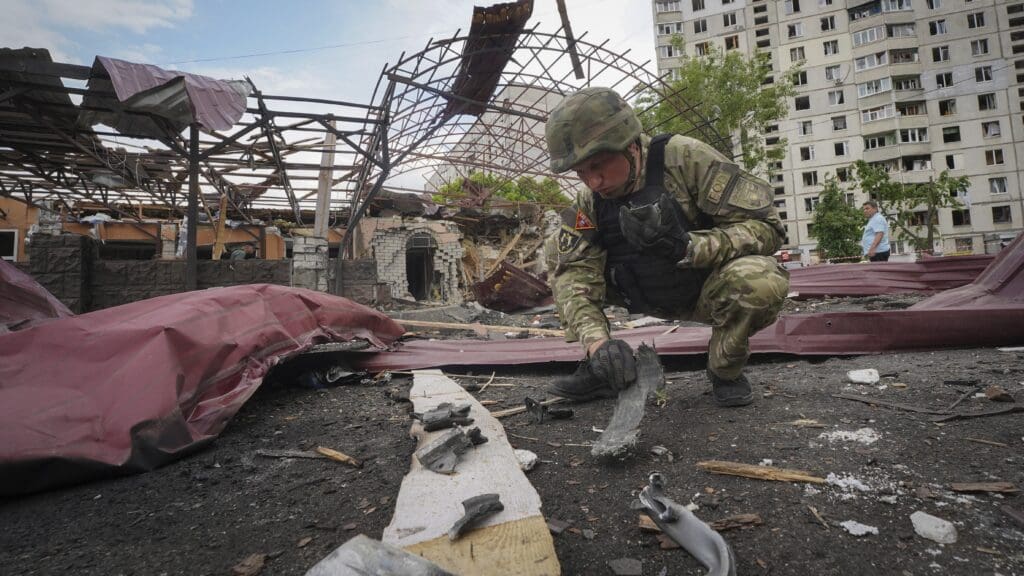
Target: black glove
column 655, row 228
column 613, row 363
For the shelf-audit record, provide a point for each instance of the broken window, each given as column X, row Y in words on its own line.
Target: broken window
column 9, row 244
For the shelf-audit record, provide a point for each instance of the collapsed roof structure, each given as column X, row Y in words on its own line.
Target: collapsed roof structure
column 137, row 136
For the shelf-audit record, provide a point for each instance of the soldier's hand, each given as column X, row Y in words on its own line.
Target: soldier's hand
column 614, row 363
column 655, row 228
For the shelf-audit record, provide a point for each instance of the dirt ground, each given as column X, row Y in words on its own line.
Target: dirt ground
column 207, row 513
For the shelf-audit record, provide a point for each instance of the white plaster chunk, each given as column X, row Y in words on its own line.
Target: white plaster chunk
column 933, row 528
column 527, row 460
column 866, row 376
column 861, row 435
column 858, row 529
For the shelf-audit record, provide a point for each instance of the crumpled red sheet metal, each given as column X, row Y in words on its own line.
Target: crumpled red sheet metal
column 509, row 289
column 988, row 312
column 872, row 278
column 130, row 388
column 180, row 97
column 24, row 302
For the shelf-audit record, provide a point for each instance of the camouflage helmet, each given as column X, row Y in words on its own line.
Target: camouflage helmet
column 587, row 122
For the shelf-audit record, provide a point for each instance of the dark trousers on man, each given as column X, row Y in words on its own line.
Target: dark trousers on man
column 880, row 257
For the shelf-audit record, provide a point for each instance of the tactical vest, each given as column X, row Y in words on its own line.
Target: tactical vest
column 647, row 282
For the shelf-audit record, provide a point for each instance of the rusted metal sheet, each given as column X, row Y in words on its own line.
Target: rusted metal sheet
column 179, row 97
column 509, row 289
column 872, row 278
column 492, row 39
column 987, row 312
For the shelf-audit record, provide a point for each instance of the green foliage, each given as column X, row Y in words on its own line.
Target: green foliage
column 837, row 224
column 523, row 189
column 728, row 89
column 898, row 201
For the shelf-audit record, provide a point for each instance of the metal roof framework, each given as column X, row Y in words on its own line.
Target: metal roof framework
column 269, row 161
column 433, row 123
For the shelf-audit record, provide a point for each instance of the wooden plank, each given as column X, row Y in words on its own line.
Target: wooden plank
column 476, row 327
column 218, row 234
column 514, row 541
column 505, row 251
column 758, row 472
column 486, row 551
column 321, row 220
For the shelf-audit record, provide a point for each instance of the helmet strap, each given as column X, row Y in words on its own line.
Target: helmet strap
column 634, row 173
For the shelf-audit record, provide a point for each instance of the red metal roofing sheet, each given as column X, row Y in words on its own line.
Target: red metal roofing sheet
column 215, row 104
column 137, row 386
column 871, row 278
column 988, row 312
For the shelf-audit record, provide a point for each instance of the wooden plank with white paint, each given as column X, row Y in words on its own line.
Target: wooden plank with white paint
column 514, row 541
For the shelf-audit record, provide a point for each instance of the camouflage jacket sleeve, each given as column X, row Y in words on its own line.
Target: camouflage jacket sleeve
column 743, row 219
column 575, row 266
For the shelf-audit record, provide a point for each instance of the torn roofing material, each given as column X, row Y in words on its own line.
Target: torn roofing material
column 491, row 42
column 178, row 97
column 871, row 278
column 142, row 384
column 509, row 289
column 987, row 312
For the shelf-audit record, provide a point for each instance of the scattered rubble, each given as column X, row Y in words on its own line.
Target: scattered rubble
column 865, row 436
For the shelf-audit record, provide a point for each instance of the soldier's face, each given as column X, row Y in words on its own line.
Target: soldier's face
column 605, row 173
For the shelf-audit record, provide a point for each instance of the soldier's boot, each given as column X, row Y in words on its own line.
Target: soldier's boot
column 730, row 393
column 581, row 386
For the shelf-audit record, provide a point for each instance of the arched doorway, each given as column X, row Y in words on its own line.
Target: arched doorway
column 419, row 265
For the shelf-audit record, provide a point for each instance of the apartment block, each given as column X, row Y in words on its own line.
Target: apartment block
column 914, row 86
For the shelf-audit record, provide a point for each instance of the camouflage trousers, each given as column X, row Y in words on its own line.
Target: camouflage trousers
column 737, row 300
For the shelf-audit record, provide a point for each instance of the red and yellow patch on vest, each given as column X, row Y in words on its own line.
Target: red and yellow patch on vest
column 582, row 222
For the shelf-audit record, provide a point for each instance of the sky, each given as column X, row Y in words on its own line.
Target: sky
column 328, row 49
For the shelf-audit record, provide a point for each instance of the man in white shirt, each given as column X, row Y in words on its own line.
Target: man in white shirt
column 875, row 241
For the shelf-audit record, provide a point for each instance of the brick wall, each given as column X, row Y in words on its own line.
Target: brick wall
column 114, row 282
column 61, row 265
column 389, row 249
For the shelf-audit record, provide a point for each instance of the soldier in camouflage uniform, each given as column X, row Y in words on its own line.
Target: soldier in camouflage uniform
column 672, row 228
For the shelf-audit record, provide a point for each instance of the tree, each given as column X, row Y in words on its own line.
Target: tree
column 524, row 189
column 728, row 90
column 902, row 203
column 837, row 224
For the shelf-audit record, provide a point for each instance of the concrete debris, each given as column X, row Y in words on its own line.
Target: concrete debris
column 932, row 528
column 997, row 393
column 527, row 460
column 661, row 451
column 858, row 529
column 846, row 483
column 644, row 321
column 866, row 376
column 557, row 526
column 861, row 435
column 626, row 567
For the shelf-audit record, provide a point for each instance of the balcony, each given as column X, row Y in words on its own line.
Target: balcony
column 914, row 148
column 885, row 126
column 916, row 176
column 916, row 121
column 882, row 154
